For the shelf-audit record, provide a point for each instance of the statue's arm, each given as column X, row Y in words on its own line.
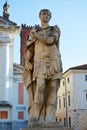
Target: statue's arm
column 43, row 38
column 56, row 35
column 28, row 57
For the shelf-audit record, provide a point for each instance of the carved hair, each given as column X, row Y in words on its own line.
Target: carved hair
column 45, row 10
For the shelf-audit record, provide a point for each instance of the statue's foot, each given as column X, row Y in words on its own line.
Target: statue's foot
column 42, row 115
column 50, row 113
column 34, row 113
column 34, row 119
column 34, row 116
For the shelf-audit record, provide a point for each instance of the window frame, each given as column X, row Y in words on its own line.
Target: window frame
column 1, row 113
column 64, row 102
column 86, row 96
column 69, row 100
column 69, row 121
column 20, row 117
column 68, row 80
column 59, row 103
column 85, row 77
column 20, row 93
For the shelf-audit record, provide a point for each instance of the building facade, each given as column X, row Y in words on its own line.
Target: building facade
column 72, row 98
column 13, row 111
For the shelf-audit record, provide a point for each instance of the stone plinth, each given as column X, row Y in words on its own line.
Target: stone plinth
column 46, row 126
column 56, row 128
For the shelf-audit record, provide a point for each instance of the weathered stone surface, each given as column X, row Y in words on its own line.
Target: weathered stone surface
column 52, row 128
column 46, row 126
column 42, row 69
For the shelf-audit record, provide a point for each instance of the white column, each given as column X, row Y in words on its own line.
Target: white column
column 5, row 72
column 11, row 51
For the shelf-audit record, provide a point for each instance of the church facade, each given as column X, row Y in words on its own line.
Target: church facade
column 13, row 113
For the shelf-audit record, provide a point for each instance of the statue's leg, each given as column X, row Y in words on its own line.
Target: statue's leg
column 51, row 100
column 38, row 100
column 30, row 97
column 42, row 113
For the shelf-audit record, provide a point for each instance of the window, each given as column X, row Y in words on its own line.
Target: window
column 86, row 96
column 63, row 83
column 63, row 101
column 60, row 119
column 64, row 121
column 68, row 80
column 69, row 121
column 20, row 93
column 20, row 115
column 68, row 100
column 59, row 103
column 3, row 114
column 85, row 77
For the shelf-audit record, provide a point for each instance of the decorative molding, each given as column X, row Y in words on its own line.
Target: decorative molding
column 21, row 108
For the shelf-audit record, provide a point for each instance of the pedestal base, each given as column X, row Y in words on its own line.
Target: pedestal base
column 46, row 126
column 56, row 128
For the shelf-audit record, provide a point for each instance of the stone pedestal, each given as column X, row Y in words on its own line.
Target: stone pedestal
column 56, row 128
column 46, row 126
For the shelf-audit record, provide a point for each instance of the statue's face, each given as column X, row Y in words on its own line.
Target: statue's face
column 45, row 16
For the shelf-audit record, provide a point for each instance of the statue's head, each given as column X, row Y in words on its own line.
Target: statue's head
column 45, row 10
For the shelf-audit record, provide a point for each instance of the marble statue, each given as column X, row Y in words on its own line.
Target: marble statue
column 6, row 10
column 42, row 69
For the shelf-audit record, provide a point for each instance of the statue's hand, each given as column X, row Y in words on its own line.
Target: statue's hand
column 28, row 66
column 33, row 30
column 33, row 33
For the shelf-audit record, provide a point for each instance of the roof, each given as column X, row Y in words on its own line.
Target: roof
column 79, row 67
column 84, row 66
column 8, row 21
column 5, row 104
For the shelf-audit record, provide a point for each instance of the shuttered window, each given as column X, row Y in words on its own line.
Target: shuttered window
column 20, row 93
column 20, row 115
column 3, row 114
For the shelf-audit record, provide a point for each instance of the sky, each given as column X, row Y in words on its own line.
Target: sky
column 69, row 15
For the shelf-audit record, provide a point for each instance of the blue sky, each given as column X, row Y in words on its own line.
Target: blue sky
column 69, row 15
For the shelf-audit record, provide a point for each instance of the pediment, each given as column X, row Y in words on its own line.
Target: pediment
column 17, row 69
column 5, row 22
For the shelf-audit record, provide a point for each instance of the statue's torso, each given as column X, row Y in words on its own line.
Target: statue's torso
column 46, row 58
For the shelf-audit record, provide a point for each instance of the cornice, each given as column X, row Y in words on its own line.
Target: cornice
column 10, row 29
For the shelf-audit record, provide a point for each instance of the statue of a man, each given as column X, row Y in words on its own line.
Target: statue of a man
column 5, row 10
column 43, row 69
